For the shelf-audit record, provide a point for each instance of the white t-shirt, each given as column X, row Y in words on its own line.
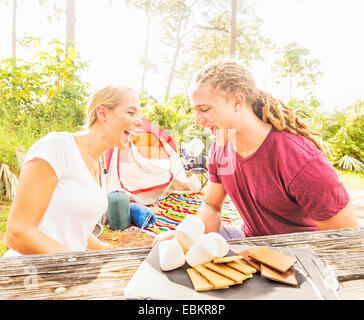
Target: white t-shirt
column 78, row 202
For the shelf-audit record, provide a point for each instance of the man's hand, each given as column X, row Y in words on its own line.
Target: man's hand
column 163, row 236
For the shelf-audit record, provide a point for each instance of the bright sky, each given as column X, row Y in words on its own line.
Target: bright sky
column 111, row 39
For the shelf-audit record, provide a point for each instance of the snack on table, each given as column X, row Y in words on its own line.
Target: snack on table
column 171, row 255
column 189, row 230
column 227, row 272
column 199, row 282
column 216, row 279
column 202, row 251
column 245, row 254
column 211, row 268
column 289, row 277
column 220, row 276
column 242, row 267
column 273, row 259
column 223, row 247
column 227, row 259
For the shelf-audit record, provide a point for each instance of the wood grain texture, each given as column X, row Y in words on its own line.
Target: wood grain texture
column 105, row 274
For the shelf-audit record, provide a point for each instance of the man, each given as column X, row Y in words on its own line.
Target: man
column 264, row 158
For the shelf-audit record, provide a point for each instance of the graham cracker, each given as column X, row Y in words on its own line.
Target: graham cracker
column 199, row 282
column 273, row 259
column 227, row 272
column 245, row 254
column 242, row 267
column 227, row 259
column 289, row 277
column 216, row 279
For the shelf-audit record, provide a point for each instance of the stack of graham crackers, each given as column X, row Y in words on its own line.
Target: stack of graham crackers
column 221, row 273
column 224, row 272
column 272, row 264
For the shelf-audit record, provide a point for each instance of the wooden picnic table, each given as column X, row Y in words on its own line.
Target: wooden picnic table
column 105, row 274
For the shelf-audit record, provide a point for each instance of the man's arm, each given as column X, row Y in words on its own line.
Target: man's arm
column 210, row 212
column 346, row 218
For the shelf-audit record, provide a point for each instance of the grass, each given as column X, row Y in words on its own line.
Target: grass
column 4, row 212
column 351, row 180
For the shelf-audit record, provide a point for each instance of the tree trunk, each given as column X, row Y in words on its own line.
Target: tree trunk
column 173, row 67
column 70, row 20
column 176, row 53
column 232, row 50
column 13, row 51
column 146, row 54
column 70, row 27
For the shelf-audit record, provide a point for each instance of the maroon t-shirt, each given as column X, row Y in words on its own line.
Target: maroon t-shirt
column 284, row 186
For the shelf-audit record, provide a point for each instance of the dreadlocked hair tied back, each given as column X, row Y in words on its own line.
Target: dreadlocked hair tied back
column 229, row 76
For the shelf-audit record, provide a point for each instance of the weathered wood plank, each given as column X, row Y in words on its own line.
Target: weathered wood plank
column 105, row 274
column 355, row 288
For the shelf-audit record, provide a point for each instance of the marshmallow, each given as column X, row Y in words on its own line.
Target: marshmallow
column 171, row 255
column 223, row 247
column 204, row 250
column 189, row 230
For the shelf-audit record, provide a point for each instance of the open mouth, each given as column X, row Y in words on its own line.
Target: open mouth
column 213, row 131
column 129, row 132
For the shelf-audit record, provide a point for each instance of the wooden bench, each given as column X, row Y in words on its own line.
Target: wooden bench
column 105, row 274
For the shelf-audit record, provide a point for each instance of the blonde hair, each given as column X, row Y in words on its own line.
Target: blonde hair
column 109, row 97
column 231, row 77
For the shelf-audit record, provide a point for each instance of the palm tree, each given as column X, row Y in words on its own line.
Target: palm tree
column 8, row 182
column 232, row 50
column 70, row 20
column 14, row 29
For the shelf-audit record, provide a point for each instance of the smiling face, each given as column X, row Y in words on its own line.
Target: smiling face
column 123, row 120
column 214, row 111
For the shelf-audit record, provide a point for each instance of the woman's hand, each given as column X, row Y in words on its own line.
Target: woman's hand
column 163, row 236
column 96, row 244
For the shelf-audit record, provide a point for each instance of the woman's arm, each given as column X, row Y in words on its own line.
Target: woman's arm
column 36, row 185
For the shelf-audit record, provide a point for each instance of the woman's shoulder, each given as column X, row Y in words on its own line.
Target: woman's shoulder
column 53, row 139
column 56, row 136
column 54, row 148
column 51, row 143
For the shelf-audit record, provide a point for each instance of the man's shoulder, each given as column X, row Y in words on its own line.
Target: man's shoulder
column 290, row 143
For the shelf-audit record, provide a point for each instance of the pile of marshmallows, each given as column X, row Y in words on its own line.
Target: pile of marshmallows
column 191, row 245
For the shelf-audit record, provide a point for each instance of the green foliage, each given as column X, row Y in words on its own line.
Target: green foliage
column 348, row 133
column 175, row 116
column 350, row 163
column 342, row 132
column 38, row 96
column 294, row 64
column 212, row 39
column 3, row 247
column 4, row 213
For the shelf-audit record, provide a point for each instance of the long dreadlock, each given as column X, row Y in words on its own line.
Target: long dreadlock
column 231, row 77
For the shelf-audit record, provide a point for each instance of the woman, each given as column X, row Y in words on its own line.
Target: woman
column 61, row 192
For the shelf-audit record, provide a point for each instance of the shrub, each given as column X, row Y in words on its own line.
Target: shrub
column 175, row 116
column 38, row 96
column 342, row 132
